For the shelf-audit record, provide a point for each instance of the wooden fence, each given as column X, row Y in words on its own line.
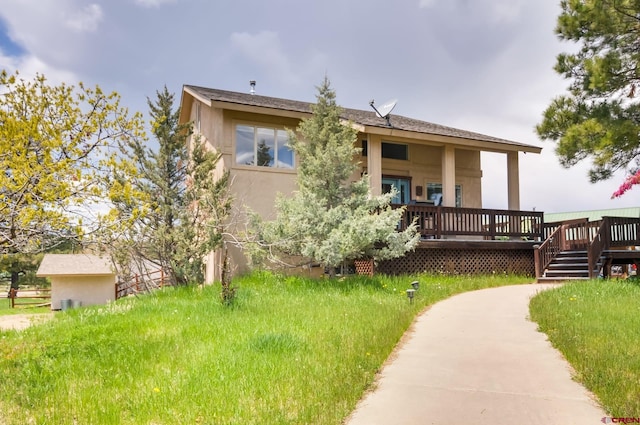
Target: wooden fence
column 140, row 283
column 27, row 297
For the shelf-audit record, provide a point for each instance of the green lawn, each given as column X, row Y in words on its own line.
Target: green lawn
column 290, row 351
column 596, row 325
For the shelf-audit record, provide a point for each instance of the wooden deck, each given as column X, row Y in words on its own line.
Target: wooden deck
column 606, row 242
column 466, row 239
column 469, row 241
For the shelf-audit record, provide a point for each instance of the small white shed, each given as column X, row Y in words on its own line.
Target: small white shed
column 80, row 279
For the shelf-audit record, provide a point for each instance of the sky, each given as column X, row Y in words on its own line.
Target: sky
column 478, row 65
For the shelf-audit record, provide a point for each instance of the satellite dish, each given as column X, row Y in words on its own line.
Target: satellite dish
column 385, row 110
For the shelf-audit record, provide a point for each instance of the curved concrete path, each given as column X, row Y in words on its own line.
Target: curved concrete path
column 477, row 359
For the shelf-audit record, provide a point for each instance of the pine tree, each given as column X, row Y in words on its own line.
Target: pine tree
column 264, row 154
column 599, row 116
column 161, row 182
column 332, row 219
column 203, row 220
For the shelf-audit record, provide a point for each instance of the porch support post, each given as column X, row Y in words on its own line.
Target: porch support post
column 374, row 163
column 449, row 176
column 513, row 181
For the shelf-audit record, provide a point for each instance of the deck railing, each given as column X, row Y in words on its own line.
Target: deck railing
column 593, row 236
column 438, row 222
column 548, row 250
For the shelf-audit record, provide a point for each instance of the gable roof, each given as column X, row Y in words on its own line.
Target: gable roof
column 74, row 265
column 368, row 119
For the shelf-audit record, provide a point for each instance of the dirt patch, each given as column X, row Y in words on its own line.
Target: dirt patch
column 22, row 321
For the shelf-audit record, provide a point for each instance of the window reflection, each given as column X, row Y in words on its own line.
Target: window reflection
column 263, row 147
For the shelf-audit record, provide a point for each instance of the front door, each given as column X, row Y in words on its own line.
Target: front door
column 403, row 195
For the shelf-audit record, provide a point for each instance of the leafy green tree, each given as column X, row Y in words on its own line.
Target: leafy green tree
column 331, row 219
column 599, row 117
column 57, row 144
column 18, row 266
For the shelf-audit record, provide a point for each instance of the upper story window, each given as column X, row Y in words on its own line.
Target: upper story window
column 395, row 151
column 263, row 147
column 389, row 150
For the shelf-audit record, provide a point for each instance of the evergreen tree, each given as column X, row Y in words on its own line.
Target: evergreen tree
column 264, row 154
column 331, row 219
column 203, row 221
column 181, row 225
column 161, row 182
column 599, row 117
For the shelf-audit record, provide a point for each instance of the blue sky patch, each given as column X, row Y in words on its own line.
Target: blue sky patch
column 8, row 46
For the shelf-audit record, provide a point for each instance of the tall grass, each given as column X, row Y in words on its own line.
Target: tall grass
column 289, row 351
column 596, row 326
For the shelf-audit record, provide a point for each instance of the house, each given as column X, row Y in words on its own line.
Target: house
column 419, row 158
column 78, row 279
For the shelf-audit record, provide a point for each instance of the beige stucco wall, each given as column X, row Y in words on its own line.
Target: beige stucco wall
column 257, row 188
column 89, row 290
column 424, row 166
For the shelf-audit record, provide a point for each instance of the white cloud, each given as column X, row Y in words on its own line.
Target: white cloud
column 266, row 50
column 30, row 65
column 153, row 3
column 426, row 3
column 85, row 20
column 495, row 11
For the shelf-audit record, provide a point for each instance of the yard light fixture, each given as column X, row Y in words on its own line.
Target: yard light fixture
column 410, row 294
column 415, row 284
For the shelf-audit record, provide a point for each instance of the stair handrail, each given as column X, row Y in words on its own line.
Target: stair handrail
column 548, row 251
column 601, row 241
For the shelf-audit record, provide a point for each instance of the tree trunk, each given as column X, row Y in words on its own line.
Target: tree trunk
column 15, row 276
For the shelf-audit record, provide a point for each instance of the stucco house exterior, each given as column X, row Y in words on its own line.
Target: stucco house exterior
column 419, row 158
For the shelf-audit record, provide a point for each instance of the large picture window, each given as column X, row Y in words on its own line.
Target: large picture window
column 263, row 147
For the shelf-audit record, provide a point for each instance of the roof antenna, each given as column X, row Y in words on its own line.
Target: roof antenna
column 385, row 110
column 252, row 83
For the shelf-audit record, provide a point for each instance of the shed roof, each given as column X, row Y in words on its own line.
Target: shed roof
column 74, row 265
column 362, row 117
column 592, row 215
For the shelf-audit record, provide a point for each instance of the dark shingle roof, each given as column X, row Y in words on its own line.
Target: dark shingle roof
column 367, row 118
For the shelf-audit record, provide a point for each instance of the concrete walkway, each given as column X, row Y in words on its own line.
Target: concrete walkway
column 477, row 359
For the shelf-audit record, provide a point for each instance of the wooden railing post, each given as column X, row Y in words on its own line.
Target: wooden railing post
column 12, row 294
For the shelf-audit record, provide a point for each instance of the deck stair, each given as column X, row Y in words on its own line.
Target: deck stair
column 567, row 265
